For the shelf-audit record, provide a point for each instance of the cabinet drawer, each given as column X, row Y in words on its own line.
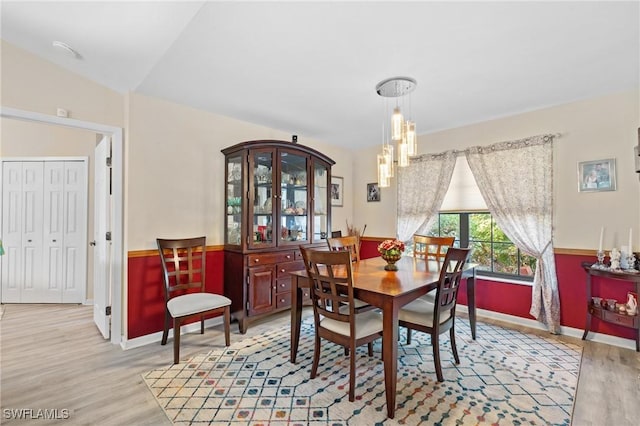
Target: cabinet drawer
column 306, row 295
column 283, row 285
column 283, row 300
column 270, row 258
column 626, row 320
column 283, row 269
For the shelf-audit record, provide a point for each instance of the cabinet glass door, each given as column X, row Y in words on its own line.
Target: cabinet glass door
column 320, row 202
column 261, row 200
column 234, row 200
column 294, row 205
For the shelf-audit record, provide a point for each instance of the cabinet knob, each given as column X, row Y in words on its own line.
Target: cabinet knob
column 54, row 241
column 256, row 260
column 282, row 270
column 281, row 285
column 282, row 300
column 288, row 256
column 29, row 241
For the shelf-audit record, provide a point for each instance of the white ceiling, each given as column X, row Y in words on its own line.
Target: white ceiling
column 310, row 68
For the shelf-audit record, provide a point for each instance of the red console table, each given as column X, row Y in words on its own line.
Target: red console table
column 632, row 321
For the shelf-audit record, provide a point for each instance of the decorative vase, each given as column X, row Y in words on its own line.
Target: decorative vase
column 391, row 260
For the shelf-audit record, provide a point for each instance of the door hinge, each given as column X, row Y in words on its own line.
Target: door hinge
column 107, row 310
column 108, row 236
column 108, row 161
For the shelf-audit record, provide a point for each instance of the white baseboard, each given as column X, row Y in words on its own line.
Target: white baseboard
column 564, row 330
column 157, row 337
column 526, row 322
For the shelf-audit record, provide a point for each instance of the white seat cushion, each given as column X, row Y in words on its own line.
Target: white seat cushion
column 194, row 303
column 420, row 311
column 366, row 323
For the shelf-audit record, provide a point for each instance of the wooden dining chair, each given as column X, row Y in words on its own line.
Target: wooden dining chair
column 183, row 272
column 349, row 243
column 334, row 314
column 438, row 317
column 431, row 247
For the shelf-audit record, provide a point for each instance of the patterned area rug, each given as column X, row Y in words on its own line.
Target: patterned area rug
column 504, row 377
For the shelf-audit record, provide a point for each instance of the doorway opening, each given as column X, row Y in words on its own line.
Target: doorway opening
column 110, row 315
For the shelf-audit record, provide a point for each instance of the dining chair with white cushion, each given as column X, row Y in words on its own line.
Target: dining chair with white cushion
column 183, row 273
column 439, row 316
column 335, row 318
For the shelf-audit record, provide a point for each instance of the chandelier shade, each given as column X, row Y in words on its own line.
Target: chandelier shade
column 401, row 131
column 397, row 122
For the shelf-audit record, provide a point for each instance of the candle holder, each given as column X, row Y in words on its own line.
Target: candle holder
column 600, row 256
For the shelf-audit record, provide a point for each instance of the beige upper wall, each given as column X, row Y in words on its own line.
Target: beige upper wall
column 175, row 170
column 32, row 84
column 605, row 127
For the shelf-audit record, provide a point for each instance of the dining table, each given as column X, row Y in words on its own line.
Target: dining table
column 388, row 291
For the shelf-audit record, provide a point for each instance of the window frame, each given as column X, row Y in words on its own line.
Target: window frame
column 463, row 238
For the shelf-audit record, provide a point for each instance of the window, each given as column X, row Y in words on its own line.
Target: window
column 494, row 253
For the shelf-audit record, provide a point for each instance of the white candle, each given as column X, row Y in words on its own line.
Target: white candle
column 630, row 240
column 601, row 235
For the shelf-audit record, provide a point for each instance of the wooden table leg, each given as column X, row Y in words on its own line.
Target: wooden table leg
column 296, row 316
column 390, row 354
column 471, row 303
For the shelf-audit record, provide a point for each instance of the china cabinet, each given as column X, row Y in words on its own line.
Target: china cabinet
column 277, row 198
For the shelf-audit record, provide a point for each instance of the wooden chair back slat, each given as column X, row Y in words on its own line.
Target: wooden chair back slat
column 330, row 273
column 449, row 281
column 183, row 264
column 431, row 247
column 349, row 243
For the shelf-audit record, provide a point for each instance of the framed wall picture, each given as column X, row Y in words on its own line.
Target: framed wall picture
column 597, row 175
column 337, row 190
column 373, row 192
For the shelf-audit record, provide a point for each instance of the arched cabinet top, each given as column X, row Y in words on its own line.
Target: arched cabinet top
column 267, row 143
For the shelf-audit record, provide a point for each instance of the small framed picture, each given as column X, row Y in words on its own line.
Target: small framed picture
column 373, row 192
column 337, row 190
column 597, row 175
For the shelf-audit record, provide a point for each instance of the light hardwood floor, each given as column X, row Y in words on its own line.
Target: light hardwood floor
column 52, row 357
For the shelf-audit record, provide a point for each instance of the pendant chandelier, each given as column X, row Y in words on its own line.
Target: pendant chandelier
column 399, row 130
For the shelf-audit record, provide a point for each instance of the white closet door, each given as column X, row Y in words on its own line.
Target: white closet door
column 53, row 232
column 32, row 224
column 75, row 232
column 44, row 225
column 64, row 234
column 12, row 232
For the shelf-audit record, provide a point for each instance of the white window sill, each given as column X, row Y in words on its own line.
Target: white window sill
column 503, row 280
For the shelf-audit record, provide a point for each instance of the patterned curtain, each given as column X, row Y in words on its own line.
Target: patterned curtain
column 515, row 179
column 421, row 189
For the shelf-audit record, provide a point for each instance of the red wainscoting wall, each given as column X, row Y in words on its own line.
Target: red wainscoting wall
column 146, row 300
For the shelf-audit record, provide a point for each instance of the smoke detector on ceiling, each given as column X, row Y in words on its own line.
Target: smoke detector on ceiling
column 68, row 49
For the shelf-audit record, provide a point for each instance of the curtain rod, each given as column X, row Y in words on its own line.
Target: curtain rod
column 459, row 153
